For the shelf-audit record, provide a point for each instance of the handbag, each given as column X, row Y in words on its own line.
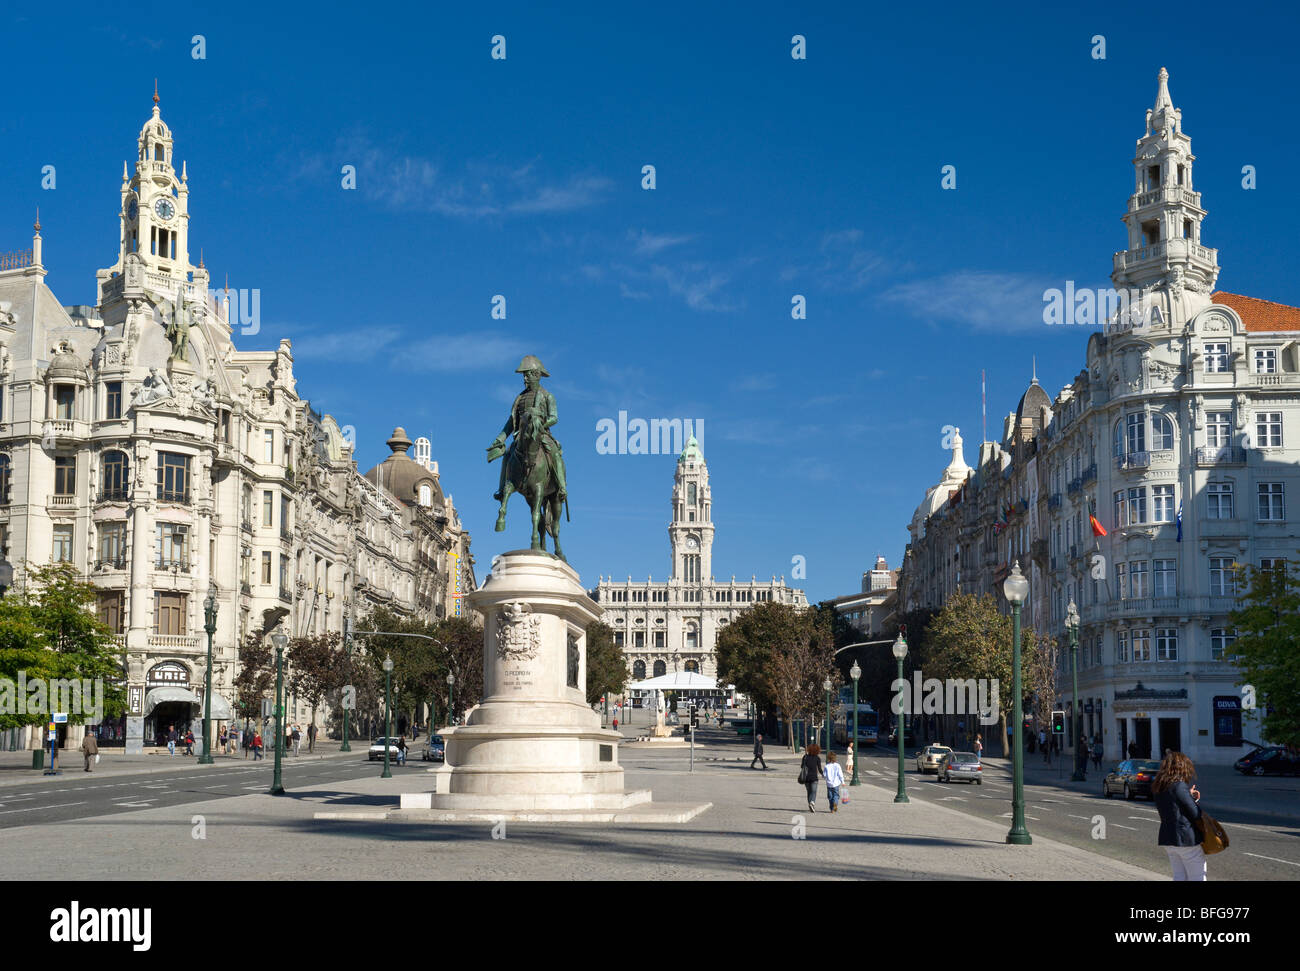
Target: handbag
column 1215, row 837
column 803, row 775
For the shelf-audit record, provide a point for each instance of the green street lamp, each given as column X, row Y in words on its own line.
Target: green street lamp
column 388, row 714
column 828, row 685
column 347, row 650
column 855, row 672
column 900, row 727
column 451, row 706
column 209, row 625
column 279, row 639
column 1016, row 589
column 1072, row 625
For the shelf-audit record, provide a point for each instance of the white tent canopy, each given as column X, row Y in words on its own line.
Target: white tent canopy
column 676, row 681
column 221, row 710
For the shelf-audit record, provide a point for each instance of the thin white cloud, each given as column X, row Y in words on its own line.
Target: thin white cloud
column 362, row 344
column 461, row 352
column 985, row 301
column 648, row 244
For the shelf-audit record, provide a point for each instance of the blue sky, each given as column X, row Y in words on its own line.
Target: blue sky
column 775, row 177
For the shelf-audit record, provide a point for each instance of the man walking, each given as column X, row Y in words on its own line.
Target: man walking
column 758, row 752
column 311, row 737
column 90, row 749
column 171, row 739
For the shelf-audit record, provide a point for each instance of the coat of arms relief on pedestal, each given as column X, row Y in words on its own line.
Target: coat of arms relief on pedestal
column 519, row 632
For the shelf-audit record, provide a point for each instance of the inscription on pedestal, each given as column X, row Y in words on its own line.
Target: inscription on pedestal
column 519, row 636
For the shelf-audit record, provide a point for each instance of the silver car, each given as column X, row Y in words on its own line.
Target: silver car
column 931, row 757
column 962, row 765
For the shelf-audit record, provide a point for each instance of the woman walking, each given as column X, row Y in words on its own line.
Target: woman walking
column 834, row 779
column 979, row 748
column 810, row 770
column 1177, row 799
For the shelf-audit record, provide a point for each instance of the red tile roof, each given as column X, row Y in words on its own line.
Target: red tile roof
column 1260, row 315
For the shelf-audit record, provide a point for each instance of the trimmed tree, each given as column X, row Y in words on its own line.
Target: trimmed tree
column 606, row 665
column 1268, row 647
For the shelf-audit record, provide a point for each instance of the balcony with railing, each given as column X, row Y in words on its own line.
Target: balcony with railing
column 245, row 588
column 1089, row 474
column 1073, row 486
column 1133, row 460
column 286, row 595
column 1165, row 194
column 114, row 495
column 174, row 642
column 173, row 495
column 1227, row 455
column 172, row 565
column 118, row 563
column 1054, row 501
column 246, row 525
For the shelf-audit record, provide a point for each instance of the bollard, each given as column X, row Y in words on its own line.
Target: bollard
column 38, row 758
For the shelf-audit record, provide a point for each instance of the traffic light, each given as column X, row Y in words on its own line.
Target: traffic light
column 1058, row 723
column 695, row 717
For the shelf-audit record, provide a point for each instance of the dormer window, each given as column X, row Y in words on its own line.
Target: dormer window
column 1153, row 177
column 1151, row 233
column 65, row 401
column 426, row 495
column 158, row 153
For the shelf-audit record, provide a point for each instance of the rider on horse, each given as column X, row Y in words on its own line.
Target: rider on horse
column 534, row 403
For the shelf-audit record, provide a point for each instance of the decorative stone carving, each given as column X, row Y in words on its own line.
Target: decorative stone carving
column 519, row 632
column 153, row 389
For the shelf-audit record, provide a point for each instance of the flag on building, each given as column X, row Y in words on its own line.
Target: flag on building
column 1097, row 528
column 1180, row 521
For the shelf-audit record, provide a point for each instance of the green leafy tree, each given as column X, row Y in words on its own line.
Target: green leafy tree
column 314, row 664
column 256, row 677
column 606, row 665
column 1268, row 646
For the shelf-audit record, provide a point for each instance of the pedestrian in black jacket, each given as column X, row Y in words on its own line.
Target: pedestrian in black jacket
column 811, row 770
column 758, row 752
column 1177, row 801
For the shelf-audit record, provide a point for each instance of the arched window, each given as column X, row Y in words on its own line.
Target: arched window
column 1119, row 439
column 116, row 476
column 4, row 479
column 638, row 670
column 426, row 495
column 693, row 666
column 158, row 152
column 1162, row 434
column 660, row 669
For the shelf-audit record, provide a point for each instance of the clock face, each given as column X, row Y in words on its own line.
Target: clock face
column 692, row 543
column 132, row 209
column 164, row 208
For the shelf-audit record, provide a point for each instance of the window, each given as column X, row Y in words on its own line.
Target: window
column 1141, row 645
column 168, row 613
column 266, row 567
column 1266, row 360
column 1218, row 429
column 1137, row 573
column 246, row 507
column 1272, row 563
column 1218, row 497
column 1136, row 439
column 1222, row 581
column 173, row 477
column 268, row 508
column 638, row 639
column 426, row 495
column 284, row 515
column 1216, row 358
column 1137, row 505
column 1268, row 429
column 638, row 670
column 692, row 639
column 284, row 573
column 110, row 611
column 660, row 669
column 1162, row 434
column 65, row 476
column 65, row 402
column 1121, row 580
column 618, row 638
column 112, row 544
column 63, row 543
column 4, row 479
column 661, row 639
column 690, row 494
column 173, row 547
column 1162, row 504
column 269, row 445
column 1119, row 439
column 116, row 476
column 113, row 399
column 1271, row 506
column 1166, row 578
column 1221, row 638
column 1166, row 643
column 1121, row 510
column 1121, row 647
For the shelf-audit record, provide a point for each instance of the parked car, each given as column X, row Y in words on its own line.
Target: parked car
column 1269, row 760
column 1133, row 777
column 961, row 765
column 931, row 757
column 377, row 749
column 435, row 749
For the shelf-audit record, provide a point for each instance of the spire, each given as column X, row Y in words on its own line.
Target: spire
column 1162, row 93
column 37, row 225
column 125, row 177
column 957, row 468
column 1034, row 380
column 155, row 90
column 36, row 239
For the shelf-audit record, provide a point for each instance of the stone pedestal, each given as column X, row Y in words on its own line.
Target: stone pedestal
column 533, row 743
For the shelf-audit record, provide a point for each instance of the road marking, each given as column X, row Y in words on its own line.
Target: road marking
column 1073, row 816
column 1142, row 819
column 1273, row 858
column 219, row 785
column 1009, row 816
column 1059, row 801
column 1040, row 808
column 1122, row 826
column 144, row 804
column 951, row 798
column 31, row 809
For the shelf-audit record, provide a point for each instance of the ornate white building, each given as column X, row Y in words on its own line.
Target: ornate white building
column 673, row 625
column 1196, row 396
column 137, row 443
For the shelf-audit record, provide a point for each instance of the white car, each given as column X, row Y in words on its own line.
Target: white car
column 377, row 749
column 931, row 757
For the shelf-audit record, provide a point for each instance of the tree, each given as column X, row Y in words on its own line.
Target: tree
column 606, row 665
column 48, row 631
column 315, row 664
column 1268, row 646
column 256, row 677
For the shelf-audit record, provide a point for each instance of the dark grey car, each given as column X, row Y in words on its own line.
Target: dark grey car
column 962, row 766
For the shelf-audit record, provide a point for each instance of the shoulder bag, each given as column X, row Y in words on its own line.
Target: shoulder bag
column 1215, row 837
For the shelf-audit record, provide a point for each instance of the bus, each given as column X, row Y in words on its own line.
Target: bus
column 868, row 721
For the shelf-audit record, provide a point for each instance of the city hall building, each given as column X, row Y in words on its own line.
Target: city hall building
column 672, row 625
column 1181, row 436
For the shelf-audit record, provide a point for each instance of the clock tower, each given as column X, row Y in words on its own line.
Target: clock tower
column 691, row 531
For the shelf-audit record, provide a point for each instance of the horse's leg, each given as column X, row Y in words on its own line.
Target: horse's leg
column 505, row 497
column 535, row 502
column 553, row 510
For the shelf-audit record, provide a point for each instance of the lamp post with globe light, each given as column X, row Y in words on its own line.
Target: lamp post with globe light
column 209, row 625
column 855, row 672
column 1072, row 625
column 900, row 728
column 279, row 639
column 829, row 686
column 451, row 702
column 1016, row 589
column 388, row 713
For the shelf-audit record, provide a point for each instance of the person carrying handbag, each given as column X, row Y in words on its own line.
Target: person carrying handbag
column 810, row 770
column 1178, row 802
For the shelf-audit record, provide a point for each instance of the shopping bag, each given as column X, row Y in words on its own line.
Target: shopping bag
column 97, row 758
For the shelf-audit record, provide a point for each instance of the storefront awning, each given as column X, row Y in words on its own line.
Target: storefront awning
column 221, row 710
column 158, row 696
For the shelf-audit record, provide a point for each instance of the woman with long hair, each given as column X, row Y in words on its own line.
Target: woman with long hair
column 1177, row 800
column 811, row 769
